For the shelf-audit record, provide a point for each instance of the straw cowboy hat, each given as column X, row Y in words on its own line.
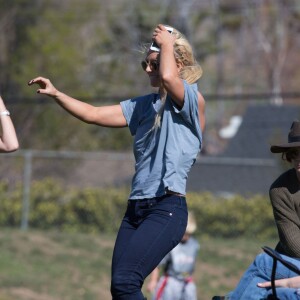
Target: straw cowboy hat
column 293, row 139
column 191, row 224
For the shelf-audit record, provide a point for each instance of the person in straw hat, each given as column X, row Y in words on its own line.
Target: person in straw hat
column 176, row 282
column 285, row 200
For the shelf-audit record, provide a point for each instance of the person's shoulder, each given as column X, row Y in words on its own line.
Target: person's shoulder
column 283, row 179
column 147, row 97
column 140, row 103
column 286, row 184
column 193, row 87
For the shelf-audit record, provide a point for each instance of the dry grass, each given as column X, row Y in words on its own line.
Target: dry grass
column 38, row 265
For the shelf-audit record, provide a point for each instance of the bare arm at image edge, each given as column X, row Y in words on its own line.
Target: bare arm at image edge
column 8, row 139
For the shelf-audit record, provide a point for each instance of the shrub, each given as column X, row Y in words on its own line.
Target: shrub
column 101, row 210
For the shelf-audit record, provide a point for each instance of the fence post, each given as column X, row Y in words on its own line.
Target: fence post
column 26, row 188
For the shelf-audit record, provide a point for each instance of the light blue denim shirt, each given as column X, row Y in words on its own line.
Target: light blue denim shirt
column 163, row 155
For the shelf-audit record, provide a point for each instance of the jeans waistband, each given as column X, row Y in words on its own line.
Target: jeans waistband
column 156, row 200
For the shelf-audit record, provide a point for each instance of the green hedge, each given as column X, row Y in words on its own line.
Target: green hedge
column 52, row 205
column 233, row 217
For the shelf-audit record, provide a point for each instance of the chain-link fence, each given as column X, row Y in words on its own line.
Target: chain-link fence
column 218, row 175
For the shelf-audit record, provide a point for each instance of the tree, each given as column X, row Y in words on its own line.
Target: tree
column 270, row 24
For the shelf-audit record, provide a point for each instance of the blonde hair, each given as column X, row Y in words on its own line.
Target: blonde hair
column 191, row 71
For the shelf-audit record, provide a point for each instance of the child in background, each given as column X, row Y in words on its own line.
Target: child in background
column 177, row 283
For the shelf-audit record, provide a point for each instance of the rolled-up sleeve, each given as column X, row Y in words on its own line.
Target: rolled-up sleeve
column 190, row 111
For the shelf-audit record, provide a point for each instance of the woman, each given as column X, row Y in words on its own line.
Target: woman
column 167, row 129
column 285, row 200
column 176, row 282
column 8, row 138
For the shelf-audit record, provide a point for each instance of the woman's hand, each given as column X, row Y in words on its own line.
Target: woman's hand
column 293, row 282
column 161, row 35
column 46, row 87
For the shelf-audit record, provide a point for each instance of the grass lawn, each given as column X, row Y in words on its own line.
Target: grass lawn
column 43, row 265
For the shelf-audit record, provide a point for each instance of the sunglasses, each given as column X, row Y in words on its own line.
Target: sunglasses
column 153, row 65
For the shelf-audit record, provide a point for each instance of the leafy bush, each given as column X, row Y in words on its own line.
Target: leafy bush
column 233, row 217
column 10, row 205
column 100, row 210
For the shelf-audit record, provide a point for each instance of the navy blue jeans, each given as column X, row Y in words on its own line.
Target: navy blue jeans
column 150, row 229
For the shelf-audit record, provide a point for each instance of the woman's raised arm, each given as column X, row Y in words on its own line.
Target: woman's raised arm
column 107, row 116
